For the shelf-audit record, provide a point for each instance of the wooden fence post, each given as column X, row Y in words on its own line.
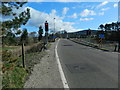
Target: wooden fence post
column 23, row 55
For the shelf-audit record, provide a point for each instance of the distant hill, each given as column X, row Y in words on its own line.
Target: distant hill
column 84, row 32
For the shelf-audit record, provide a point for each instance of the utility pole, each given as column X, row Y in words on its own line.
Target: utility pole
column 54, row 30
column 54, row 25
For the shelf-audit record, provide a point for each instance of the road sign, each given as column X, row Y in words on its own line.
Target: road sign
column 101, row 36
column 54, row 36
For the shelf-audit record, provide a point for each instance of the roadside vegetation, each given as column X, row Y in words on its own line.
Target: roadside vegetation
column 14, row 75
column 13, row 72
column 13, row 36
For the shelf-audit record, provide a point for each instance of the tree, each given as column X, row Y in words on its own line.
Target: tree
column 63, row 33
column 9, row 39
column 107, row 27
column 18, row 32
column 101, row 27
column 117, row 26
column 24, row 36
column 33, row 36
column 113, row 26
column 17, row 20
column 40, row 32
column 112, row 31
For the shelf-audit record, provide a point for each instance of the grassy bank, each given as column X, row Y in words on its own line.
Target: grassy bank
column 14, row 78
column 9, row 48
column 14, row 75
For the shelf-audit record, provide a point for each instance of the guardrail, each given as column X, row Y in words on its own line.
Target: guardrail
column 104, row 47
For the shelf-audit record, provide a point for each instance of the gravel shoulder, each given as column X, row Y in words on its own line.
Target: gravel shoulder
column 45, row 74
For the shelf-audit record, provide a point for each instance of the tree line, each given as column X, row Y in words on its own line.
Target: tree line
column 114, row 26
column 22, row 36
column 111, row 31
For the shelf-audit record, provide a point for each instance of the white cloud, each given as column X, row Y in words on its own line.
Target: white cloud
column 65, row 10
column 38, row 18
column 115, row 5
column 87, row 12
column 86, row 19
column 102, row 4
column 92, row 7
column 84, row 6
column 53, row 13
column 105, row 9
column 73, row 7
column 119, row 18
column 73, row 16
column 101, row 13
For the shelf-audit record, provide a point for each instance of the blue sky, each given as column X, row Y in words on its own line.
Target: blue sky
column 71, row 16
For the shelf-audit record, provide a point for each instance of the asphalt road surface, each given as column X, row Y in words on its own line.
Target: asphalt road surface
column 86, row 67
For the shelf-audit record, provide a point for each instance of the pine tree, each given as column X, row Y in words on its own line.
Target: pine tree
column 40, row 32
column 101, row 27
column 6, row 9
column 24, row 36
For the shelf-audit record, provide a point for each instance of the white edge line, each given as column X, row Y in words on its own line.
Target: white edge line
column 64, row 81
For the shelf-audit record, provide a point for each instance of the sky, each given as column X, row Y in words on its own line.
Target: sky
column 70, row 16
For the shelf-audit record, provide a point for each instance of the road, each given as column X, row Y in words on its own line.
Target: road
column 86, row 67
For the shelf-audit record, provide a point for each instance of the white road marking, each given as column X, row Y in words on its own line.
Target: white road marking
column 64, row 81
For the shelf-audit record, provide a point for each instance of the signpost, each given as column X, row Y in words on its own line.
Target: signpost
column 54, row 37
column 101, row 36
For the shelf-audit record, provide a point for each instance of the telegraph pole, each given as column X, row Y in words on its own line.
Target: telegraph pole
column 54, row 30
column 54, row 25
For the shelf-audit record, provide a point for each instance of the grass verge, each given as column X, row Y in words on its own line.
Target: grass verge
column 9, row 48
column 14, row 78
column 14, row 75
